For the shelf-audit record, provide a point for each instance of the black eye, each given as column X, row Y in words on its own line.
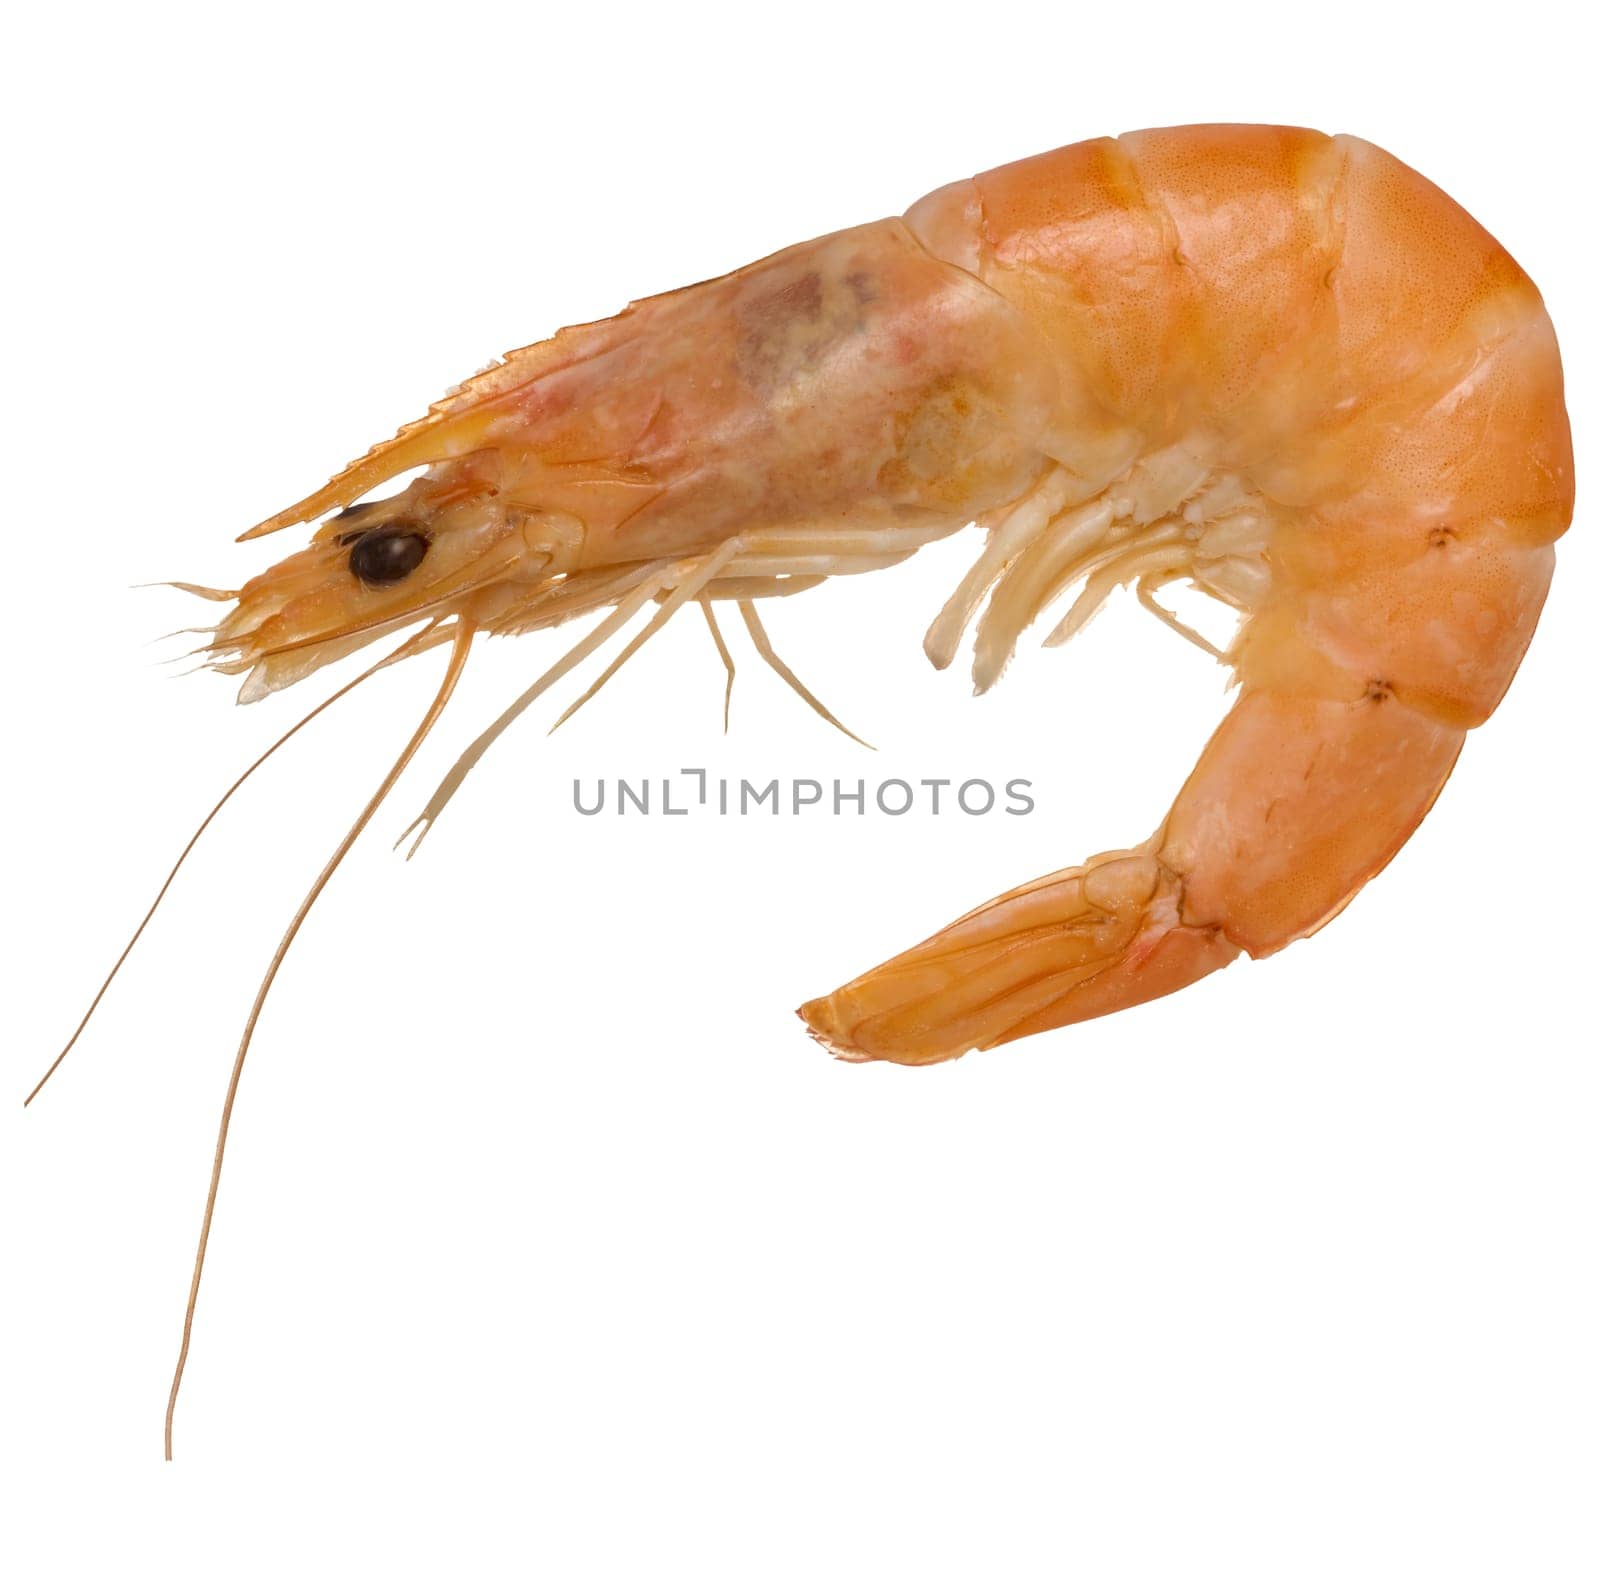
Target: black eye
column 386, row 556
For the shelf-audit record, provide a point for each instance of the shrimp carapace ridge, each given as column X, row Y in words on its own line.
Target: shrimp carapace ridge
column 1279, row 367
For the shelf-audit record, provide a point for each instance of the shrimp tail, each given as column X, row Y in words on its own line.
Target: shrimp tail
column 1295, row 804
column 1070, row 946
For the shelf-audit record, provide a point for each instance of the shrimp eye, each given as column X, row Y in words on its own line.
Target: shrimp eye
column 385, row 556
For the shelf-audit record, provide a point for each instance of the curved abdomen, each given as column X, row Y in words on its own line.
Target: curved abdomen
column 1364, row 377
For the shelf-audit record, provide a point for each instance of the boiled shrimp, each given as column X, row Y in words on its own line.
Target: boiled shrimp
column 1280, row 368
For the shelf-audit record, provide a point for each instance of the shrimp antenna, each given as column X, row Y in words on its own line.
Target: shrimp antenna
column 463, row 633
column 200, row 830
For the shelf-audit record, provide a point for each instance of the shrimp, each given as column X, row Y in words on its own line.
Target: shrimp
column 1278, row 367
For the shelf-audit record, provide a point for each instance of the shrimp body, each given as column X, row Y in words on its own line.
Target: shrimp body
column 1278, row 366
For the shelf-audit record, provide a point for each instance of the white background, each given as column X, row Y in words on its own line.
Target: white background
column 550, row 1248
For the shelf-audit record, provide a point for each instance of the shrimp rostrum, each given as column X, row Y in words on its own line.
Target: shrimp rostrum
column 1279, row 367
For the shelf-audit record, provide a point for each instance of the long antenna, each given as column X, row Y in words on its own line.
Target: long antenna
column 200, row 830
column 458, row 655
